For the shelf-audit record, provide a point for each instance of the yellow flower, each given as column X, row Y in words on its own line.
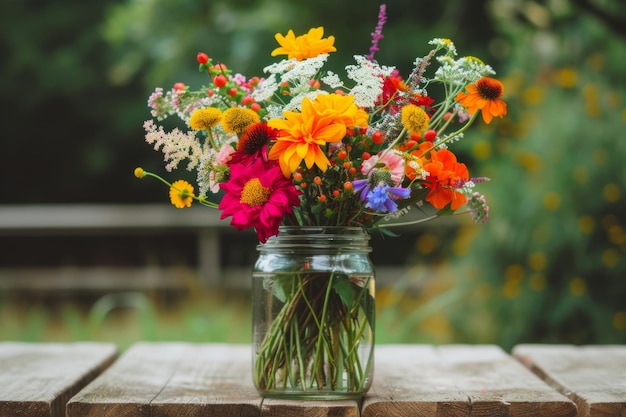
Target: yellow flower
column 484, row 95
column 237, row 119
column 181, row 194
column 304, row 46
column 205, row 119
column 341, row 109
column 414, row 118
column 301, row 135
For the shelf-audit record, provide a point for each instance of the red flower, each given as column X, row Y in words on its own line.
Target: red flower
column 258, row 196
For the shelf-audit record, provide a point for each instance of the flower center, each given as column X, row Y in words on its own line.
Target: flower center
column 254, row 138
column 254, row 194
column 489, row 89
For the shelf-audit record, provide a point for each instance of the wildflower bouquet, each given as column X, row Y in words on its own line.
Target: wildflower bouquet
column 300, row 146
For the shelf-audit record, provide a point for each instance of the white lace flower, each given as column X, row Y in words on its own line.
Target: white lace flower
column 369, row 78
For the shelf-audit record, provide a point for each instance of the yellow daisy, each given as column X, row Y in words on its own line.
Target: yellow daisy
column 181, row 194
column 305, row 46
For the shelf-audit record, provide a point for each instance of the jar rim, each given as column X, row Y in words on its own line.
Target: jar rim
column 320, row 237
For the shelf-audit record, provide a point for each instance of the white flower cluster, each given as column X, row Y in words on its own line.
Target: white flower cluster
column 369, row 78
column 175, row 145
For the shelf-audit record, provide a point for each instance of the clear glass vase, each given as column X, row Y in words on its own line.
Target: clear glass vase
column 313, row 314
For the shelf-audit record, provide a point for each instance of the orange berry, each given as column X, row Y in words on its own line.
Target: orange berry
column 322, row 198
column 255, row 107
column 179, row 86
column 297, row 176
column 303, row 184
column 430, row 135
column 202, row 58
column 347, row 165
column 342, row 154
column 378, row 137
column 317, row 180
column 348, row 186
column 352, row 170
column 220, row 81
column 336, row 193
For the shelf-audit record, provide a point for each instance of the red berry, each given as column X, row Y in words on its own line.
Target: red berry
column 342, row 154
column 255, row 107
column 202, row 58
column 179, row 86
column 378, row 137
column 220, row 81
column 430, row 135
column 233, row 92
column 366, row 156
column 247, row 100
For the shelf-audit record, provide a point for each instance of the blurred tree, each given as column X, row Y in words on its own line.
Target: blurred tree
column 80, row 74
column 549, row 266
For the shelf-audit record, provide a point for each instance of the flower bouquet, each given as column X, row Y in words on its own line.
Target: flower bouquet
column 299, row 146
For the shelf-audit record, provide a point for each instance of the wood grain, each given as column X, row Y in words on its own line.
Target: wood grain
column 456, row 380
column 594, row 377
column 184, row 379
column 38, row 379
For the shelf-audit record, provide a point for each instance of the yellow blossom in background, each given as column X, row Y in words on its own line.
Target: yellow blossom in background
column 181, row 194
column 305, row 46
column 205, row 119
column 237, row 119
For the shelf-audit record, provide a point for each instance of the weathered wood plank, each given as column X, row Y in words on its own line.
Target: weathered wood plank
column 594, row 377
column 38, row 379
column 183, row 379
column 420, row 380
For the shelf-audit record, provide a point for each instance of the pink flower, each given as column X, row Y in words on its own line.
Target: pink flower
column 258, row 195
column 392, row 162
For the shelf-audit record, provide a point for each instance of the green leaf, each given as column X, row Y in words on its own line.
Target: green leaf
column 282, row 286
column 343, row 288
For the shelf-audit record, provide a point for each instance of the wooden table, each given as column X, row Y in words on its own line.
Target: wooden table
column 180, row 379
column 37, row 380
column 173, row 379
column 594, row 377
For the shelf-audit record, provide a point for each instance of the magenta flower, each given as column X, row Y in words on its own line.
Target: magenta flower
column 258, row 195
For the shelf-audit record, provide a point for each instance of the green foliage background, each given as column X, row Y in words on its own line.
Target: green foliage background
column 549, row 265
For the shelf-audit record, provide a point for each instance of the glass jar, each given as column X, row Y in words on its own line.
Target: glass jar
column 313, row 314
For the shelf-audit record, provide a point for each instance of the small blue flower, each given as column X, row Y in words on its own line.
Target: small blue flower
column 381, row 198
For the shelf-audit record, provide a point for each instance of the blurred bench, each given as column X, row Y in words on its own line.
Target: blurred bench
column 174, row 379
column 224, row 255
column 102, row 220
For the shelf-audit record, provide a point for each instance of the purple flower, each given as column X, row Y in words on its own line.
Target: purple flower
column 378, row 31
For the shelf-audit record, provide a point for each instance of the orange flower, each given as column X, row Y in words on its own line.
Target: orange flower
column 301, row 135
column 305, row 46
column 444, row 176
column 484, row 95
